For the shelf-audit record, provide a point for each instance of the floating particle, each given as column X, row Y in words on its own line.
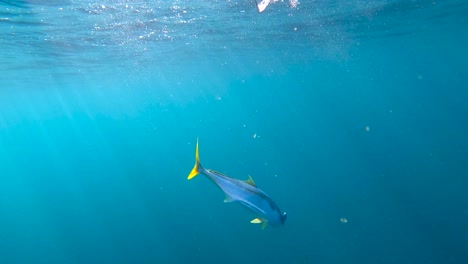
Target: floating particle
column 343, row 220
column 367, row 128
column 254, row 135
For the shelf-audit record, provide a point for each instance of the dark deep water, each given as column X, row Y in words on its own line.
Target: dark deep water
column 351, row 115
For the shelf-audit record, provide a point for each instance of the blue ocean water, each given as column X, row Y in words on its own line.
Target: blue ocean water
column 351, row 115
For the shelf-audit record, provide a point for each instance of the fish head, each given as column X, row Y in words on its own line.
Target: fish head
column 283, row 217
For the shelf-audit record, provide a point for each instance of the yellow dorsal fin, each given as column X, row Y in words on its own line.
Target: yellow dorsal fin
column 196, row 168
column 250, row 181
column 256, row 221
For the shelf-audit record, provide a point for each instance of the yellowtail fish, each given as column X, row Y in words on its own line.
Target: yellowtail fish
column 244, row 192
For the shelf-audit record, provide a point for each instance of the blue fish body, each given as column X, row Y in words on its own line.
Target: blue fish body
column 244, row 192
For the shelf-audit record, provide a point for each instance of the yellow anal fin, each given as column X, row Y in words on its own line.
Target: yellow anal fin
column 259, row 221
column 196, row 168
column 256, row 221
column 250, row 181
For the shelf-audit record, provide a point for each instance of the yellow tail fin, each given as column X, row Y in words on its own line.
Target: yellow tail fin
column 196, row 168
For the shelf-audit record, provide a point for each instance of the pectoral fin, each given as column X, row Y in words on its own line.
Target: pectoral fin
column 228, row 199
